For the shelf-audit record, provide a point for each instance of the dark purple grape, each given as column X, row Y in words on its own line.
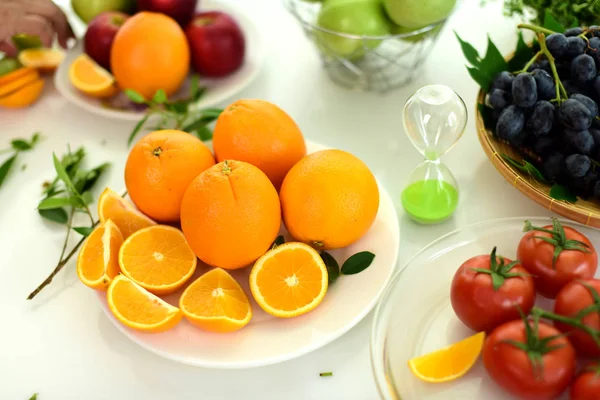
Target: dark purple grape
column 541, row 119
column 596, row 135
column 524, row 90
column 573, row 32
column 574, row 115
column 557, row 45
column 510, row 124
column 594, row 50
column 581, row 141
column 533, row 66
column 583, row 69
column 503, row 81
column 544, row 145
column 545, row 65
column 499, row 99
column 545, row 84
column 578, row 165
column 571, row 87
column 594, row 31
column 591, row 105
column 553, row 166
column 575, row 47
column 597, row 189
column 596, row 86
column 584, row 186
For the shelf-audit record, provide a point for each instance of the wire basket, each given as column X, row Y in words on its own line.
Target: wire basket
column 377, row 63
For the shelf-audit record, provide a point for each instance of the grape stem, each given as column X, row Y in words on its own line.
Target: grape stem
column 530, row 63
column 535, row 28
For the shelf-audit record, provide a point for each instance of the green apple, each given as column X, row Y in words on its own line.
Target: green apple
column 88, row 9
column 356, row 17
column 399, row 30
column 418, row 13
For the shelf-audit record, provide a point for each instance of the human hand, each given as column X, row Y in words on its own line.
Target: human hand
column 40, row 18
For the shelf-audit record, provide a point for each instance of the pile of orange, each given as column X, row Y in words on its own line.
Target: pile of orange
column 227, row 213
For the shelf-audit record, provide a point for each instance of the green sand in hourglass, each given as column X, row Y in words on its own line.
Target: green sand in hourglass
column 434, row 119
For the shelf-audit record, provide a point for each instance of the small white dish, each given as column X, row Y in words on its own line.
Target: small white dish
column 217, row 90
column 269, row 340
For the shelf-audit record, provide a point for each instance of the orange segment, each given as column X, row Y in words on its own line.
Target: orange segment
column 215, row 302
column 15, row 84
column 11, row 76
column 41, row 58
column 449, row 363
column 98, row 260
column 157, row 258
column 140, row 309
column 24, row 96
column 86, row 75
column 122, row 213
column 289, row 280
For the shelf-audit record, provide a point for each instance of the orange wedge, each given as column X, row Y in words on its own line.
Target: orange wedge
column 91, row 78
column 449, row 363
column 24, row 96
column 16, row 74
column 139, row 309
column 289, row 280
column 122, row 213
column 41, row 58
column 157, row 258
column 13, row 85
column 215, row 302
column 98, row 260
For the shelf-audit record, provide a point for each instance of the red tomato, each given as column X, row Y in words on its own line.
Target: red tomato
column 576, row 260
column 587, row 384
column 512, row 369
column 487, row 289
column 573, row 298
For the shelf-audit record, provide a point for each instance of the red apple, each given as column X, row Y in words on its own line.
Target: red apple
column 216, row 42
column 180, row 10
column 100, row 34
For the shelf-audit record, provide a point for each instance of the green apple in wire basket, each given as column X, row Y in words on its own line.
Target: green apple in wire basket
column 415, row 14
column 355, row 17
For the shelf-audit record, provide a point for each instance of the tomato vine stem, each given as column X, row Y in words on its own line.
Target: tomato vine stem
column 499, row 271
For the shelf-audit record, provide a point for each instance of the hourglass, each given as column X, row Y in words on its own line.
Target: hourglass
column 434, row 119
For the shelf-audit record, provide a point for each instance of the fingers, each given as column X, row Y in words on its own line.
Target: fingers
column 8, row 48
column 47, row 10
column 36, row 25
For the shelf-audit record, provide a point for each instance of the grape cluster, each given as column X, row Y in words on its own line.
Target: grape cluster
column 557, row 130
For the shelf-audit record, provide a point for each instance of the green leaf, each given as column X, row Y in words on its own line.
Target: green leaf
column 51, row 203
column 5, row 168
column 24, row 41
column 525, row 166
column 83, row 230
column 482, row 80
column 211, row 112
column 20, row 145
column 357, row 263
column 469, row 51
column 134, row 96
column 58, row 215
column 194, row 88
column 35, row 139
column 522, row 55
column 137, row 128
column 62, row 173
column 8, row 65
column 204, row 133
column 33, row 396
column 487, row 114
column 90, row 178
column 493, row 63
column 87, row 198
column 160, row 96
column 551, row 23
column 279, row 240
column 560, row 192
column 199, row 123
column 333, row 268
column 325, row 374
column 178, row 107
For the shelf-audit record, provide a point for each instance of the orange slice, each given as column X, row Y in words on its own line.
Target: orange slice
column 15, row 84
column 215, row 302
column 16, row 74
column 122, row 213
column 91, row 78
column 24, row 96
column 289, row 280
column 41, row 58
column 449, row 363
column 157, row 258
column 98, row 260
column 139, row 309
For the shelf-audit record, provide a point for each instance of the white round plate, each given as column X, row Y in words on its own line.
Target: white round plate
column 218, row 90
column 402, row 331
column 268, row 340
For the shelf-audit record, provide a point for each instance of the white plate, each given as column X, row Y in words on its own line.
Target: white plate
column 268, row 340
column 401, row 331
column 218, row 90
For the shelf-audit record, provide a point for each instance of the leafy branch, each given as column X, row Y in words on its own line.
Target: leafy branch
column 176, row 114
column 16, row 146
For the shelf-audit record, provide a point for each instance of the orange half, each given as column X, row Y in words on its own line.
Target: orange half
column 215, row 302
column 157, row 258
column 289, row 280
column 449, row 363
column 122, row 213
column 44, row 59
column 90, row 78
column 98, row 259
column 139, row 309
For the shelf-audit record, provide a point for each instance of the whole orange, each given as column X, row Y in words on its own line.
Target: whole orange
column 260, row 133
column 159, row 169
column 329, row 199
column 150, row 52
column 230, row 215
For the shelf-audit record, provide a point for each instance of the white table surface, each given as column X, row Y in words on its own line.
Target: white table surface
column 62, row 345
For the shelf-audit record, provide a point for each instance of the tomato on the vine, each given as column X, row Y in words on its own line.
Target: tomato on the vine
column 529, row 359
column 488, row 290
column 587, row 384
column 556, row 255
